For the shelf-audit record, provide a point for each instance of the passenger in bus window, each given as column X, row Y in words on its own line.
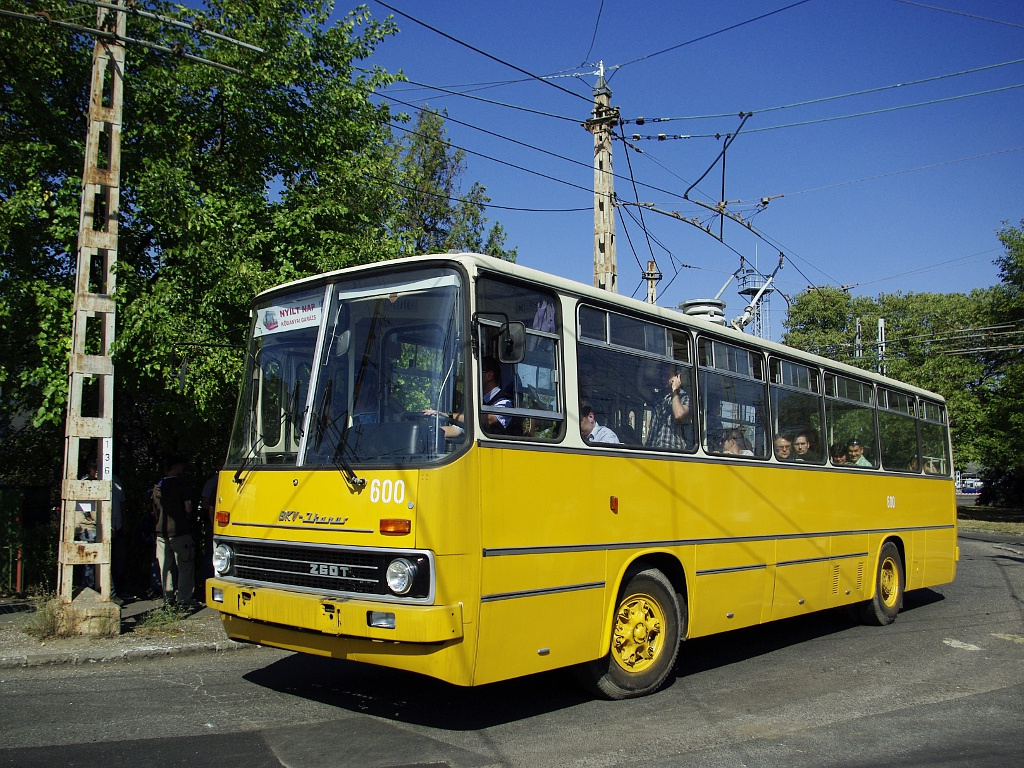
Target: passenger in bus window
column 783, row 448
column 805, row 447
column 837, row 453
column 494, row 395
column 855, row 453
column 734, row 443
column 490, row 379
column 670, row 415
column 592, row 431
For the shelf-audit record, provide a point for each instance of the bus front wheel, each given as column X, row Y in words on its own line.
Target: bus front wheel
column 644, row 641
column 890, row 582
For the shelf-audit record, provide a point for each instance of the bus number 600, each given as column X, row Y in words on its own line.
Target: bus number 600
column 387, row 492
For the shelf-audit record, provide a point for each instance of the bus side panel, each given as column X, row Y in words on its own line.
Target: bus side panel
column 540, row 610
column 801, row 577
column 849, row 581
column 732, row 588
column 536, row 633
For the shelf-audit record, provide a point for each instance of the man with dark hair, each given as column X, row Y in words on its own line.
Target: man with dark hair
column 671, row 414
column 490, row 386
column 175, row 549
column 592, row 431
column 493, row 395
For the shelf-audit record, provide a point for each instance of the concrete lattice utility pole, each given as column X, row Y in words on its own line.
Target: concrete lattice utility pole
column 86, row 526
column 605, row 118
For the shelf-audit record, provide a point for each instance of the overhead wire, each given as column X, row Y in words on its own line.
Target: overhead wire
column 593, row 38
column 541, row 113
column 614, row 69
column 823, row 99
column 396, row 183
column 484, row 53
column 588, row 190
column 961, row 13
column 900, row 173
column 572, row 160
column 636, row 194
column 665, row 137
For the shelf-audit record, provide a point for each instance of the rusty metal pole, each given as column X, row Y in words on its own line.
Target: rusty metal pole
column 86, row 507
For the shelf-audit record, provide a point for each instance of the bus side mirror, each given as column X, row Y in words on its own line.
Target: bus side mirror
column 512, row 343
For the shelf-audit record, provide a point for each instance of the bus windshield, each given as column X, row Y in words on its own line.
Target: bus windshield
column 357, row 373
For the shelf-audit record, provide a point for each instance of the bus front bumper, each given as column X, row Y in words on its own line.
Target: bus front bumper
column 348, row 617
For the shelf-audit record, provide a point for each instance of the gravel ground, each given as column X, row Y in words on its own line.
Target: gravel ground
column 199, row 632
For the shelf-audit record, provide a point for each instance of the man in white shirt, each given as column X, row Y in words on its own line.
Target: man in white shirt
column 592, row 431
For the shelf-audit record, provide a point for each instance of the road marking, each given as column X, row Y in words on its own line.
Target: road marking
column 1012, row 638
column 961, row 645
column 1008, row 549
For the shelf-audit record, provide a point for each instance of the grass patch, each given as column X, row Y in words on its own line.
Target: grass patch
column 48, row 620
column 163, row 620
column 993, row 519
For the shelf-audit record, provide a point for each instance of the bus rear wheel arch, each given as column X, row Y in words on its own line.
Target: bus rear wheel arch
column 644, row 642
column 890, row 584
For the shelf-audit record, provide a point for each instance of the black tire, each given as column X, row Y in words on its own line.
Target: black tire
column 645, row 639
column 890, row 582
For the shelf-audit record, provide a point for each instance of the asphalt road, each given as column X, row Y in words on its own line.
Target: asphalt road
column 943, row 686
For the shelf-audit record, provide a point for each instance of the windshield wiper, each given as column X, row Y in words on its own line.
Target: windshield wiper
column 251, row 454
column 341, row 464
column 325, row 424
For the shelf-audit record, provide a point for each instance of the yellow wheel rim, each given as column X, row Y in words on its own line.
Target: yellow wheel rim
column 637, row 635
column 889, row 582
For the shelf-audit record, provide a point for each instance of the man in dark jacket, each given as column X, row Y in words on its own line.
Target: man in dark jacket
column 175, row 548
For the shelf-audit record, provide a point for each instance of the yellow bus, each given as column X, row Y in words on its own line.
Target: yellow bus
column 472, row 470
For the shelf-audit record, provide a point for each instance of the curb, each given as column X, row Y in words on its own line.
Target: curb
column 75, row 658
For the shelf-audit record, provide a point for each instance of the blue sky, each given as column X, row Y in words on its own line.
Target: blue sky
column 900, row 200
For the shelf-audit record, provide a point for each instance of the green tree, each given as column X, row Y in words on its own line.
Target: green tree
column 230, row 183
column 1003, row 424
column 435, row 218
column 930, row 342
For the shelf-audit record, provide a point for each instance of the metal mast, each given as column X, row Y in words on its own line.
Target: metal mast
column 605, row 117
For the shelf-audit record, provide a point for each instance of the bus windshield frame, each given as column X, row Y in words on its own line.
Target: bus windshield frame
column 360, row 372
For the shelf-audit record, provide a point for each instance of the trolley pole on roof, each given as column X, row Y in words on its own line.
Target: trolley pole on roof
column 604, row 119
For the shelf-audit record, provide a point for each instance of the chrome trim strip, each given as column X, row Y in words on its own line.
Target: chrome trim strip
column 541, row 591
column 733, row 569
column 803, row 561
column 645, row 452
column 331, row 594
column 567, row 548
column 319, row 528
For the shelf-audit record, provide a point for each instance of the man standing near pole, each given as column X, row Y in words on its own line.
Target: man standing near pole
column 175, row 548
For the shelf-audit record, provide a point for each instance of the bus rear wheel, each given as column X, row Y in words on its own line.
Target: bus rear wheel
column 890, row 581
column 644, row 642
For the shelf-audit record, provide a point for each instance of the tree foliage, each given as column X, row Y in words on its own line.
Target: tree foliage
column 434, row 216
column 230, row 184
column 1003, row 425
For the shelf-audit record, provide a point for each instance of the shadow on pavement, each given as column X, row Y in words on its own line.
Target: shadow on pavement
column 410, row 698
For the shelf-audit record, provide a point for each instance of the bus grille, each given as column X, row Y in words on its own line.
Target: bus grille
column 319, row 569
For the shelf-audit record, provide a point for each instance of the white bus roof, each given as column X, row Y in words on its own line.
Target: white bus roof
column 475, row 263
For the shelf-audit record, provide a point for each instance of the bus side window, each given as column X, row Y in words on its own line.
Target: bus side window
column 850, row 416
column 797, row 408
column 624, row 369
column 733, row 394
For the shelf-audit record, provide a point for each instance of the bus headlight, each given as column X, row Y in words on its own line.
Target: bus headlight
column 222, row 557
column 400, row 576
